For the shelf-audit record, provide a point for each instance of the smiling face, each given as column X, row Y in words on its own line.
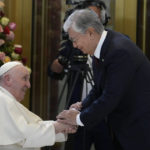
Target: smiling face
column 18, row 81
column 86, row 42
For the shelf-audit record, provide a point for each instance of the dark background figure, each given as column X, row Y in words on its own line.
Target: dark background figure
column 73, row 59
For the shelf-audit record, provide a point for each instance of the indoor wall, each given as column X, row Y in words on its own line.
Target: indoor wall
column 20, row 12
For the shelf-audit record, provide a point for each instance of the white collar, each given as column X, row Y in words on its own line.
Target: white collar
column 100, row 43
column 5, row 91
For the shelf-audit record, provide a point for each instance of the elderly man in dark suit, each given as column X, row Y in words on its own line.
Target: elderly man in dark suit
column 122, row 82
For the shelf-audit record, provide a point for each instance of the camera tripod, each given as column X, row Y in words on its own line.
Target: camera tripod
column 74, row 72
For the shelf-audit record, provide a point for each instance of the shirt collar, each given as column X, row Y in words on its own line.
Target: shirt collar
column 100, row 43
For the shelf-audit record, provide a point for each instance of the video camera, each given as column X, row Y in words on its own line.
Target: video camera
column 70, row 56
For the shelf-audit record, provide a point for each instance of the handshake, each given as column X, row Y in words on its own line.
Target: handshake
column 66, row 120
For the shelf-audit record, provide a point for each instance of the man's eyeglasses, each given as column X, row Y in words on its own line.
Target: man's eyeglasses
column 75, row 39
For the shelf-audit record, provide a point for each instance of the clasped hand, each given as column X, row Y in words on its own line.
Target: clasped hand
column 69, row 116
column 64, row 128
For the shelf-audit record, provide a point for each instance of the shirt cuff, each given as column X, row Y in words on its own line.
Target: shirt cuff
column 78, row 120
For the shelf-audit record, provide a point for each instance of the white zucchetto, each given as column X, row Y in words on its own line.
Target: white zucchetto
column 7, row 66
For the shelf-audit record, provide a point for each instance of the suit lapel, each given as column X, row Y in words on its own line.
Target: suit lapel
column 99, row 68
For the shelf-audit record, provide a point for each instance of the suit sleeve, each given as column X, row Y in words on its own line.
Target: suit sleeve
column 90, row 98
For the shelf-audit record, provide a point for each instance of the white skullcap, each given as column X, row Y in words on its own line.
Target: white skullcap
column 8, row 66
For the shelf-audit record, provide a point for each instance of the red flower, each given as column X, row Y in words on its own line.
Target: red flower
column 18, row 49
column 6, row 30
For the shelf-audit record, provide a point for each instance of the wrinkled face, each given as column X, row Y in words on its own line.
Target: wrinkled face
column 19, row 82
column 81, row 41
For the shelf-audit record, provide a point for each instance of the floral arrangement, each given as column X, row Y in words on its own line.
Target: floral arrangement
column 8, row 50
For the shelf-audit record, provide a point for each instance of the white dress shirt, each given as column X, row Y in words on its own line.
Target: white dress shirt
column 97, row 55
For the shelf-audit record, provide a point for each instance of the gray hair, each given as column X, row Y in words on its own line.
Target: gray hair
column 81, row 20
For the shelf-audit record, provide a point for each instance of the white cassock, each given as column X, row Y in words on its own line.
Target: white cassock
column 20, row 129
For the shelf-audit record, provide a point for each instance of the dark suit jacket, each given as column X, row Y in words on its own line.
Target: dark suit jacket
column 121, row 92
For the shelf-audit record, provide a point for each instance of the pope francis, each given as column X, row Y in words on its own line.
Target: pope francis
column 20, row 129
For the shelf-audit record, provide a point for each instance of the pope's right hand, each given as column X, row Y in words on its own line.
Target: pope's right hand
column 64, row 128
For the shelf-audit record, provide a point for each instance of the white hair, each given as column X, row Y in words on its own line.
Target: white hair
column 81, row 20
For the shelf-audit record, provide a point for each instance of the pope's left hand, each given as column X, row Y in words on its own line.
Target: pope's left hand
column 68, row 116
